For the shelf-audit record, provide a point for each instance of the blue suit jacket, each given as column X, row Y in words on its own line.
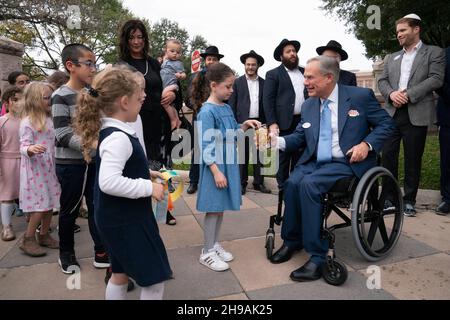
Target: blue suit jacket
column 373, row 125
column 443, row 107
column 240, row 100
column 279, row 97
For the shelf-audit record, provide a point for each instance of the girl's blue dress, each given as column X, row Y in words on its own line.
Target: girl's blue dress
column 218, row 146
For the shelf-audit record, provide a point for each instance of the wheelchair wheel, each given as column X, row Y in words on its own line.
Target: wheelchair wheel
column 334, row 272
column 270, row 242
column 375, row 229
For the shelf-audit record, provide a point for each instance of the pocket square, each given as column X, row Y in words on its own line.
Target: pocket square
column 353, row 113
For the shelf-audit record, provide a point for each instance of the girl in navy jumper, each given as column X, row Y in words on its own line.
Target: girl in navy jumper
column 123, row 211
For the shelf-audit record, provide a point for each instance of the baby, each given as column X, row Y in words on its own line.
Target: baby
column 172, row 70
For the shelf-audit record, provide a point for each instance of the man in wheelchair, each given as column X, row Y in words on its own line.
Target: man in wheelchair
column 342, row 128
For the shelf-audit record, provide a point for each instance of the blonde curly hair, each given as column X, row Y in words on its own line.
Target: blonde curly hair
column 101, row 100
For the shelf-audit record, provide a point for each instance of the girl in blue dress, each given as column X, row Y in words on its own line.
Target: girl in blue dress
column 219, row 184
column 123, row 211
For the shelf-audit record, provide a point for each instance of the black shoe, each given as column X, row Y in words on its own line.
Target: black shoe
column 101, row 260
column 443, row 209
column 262, row 188
column 68, row 262
column 283, row 254
column 192, row 188
column 243, row 190
column 388, row 206
column 108, row 276
column 170, row 219
column 308, row 272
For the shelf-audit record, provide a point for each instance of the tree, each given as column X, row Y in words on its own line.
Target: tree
column 46, row 26
column 379, row 42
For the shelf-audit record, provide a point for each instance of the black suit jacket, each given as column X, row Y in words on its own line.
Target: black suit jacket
column 347, row 78
column 443, row 107
column 279, row 97
column 240, row 99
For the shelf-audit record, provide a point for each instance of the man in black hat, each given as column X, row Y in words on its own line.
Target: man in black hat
column 246, row 102
column 210, row 56
column 334, row 49
column 283, row 96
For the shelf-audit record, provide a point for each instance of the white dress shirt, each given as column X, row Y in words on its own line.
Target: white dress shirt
column 406, row 66
column 336, row 151
column 137, row 126
column 253, row 90
column 114, row 151
column 298, row 82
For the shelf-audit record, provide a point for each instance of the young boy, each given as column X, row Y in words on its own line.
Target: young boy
column 172, row 70
column 74, row 174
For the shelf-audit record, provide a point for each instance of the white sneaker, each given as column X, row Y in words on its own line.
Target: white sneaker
column 224, row 255
column 212, row 261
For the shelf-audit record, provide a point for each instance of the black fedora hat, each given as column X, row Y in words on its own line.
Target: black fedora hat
column 211, row 51
column 252, row 54
column 279, row 50
column 334, row 46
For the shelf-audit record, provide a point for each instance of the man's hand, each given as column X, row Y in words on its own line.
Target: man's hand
column 273, row 137
column 399, row 97
column 274, row 128
column 358, row 152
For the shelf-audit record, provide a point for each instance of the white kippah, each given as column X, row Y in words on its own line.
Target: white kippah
column 412, row 16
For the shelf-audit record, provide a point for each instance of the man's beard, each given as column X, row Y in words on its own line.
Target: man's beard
column 288, row 64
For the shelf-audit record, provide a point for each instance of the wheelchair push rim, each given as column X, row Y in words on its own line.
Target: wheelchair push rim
column 368, row 207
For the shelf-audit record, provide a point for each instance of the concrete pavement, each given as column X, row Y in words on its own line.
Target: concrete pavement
column 418, row 268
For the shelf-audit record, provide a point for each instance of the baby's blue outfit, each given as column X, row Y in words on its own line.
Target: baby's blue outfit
column 168, row 70
column 213, row 149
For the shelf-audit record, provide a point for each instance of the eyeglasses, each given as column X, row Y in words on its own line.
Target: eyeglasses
column 88, row 64
column 21, row 82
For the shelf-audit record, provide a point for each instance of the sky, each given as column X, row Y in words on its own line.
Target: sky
column 238, row 26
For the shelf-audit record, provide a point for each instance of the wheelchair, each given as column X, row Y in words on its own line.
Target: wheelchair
column 364, row 198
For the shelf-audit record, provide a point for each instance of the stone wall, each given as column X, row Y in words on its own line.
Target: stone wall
column 11, row 53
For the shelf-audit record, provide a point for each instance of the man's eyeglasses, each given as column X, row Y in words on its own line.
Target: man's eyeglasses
column 22, row 82
column 88, row 64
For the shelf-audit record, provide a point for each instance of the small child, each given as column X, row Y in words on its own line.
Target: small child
column 172, row 70
column 9, row 159
column 39, row 186
column 123, row 189
column 219, row 169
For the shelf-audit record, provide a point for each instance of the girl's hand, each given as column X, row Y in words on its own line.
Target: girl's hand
column 158, row 191
column 156, row 175
column 221, row 180
column 167, row 97
column 36, row 149
column 255, row 124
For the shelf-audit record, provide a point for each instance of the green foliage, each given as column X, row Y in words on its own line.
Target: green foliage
column 353, row 13
column 46, row 26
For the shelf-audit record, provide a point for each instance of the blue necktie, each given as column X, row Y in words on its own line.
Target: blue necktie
column 324, row 147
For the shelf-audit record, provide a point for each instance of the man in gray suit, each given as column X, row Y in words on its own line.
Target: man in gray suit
column 409, row 78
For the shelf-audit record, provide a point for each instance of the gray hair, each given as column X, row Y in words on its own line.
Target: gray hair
column 327, row 65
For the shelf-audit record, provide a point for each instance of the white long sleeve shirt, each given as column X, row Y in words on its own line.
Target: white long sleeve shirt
column 114, row 151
